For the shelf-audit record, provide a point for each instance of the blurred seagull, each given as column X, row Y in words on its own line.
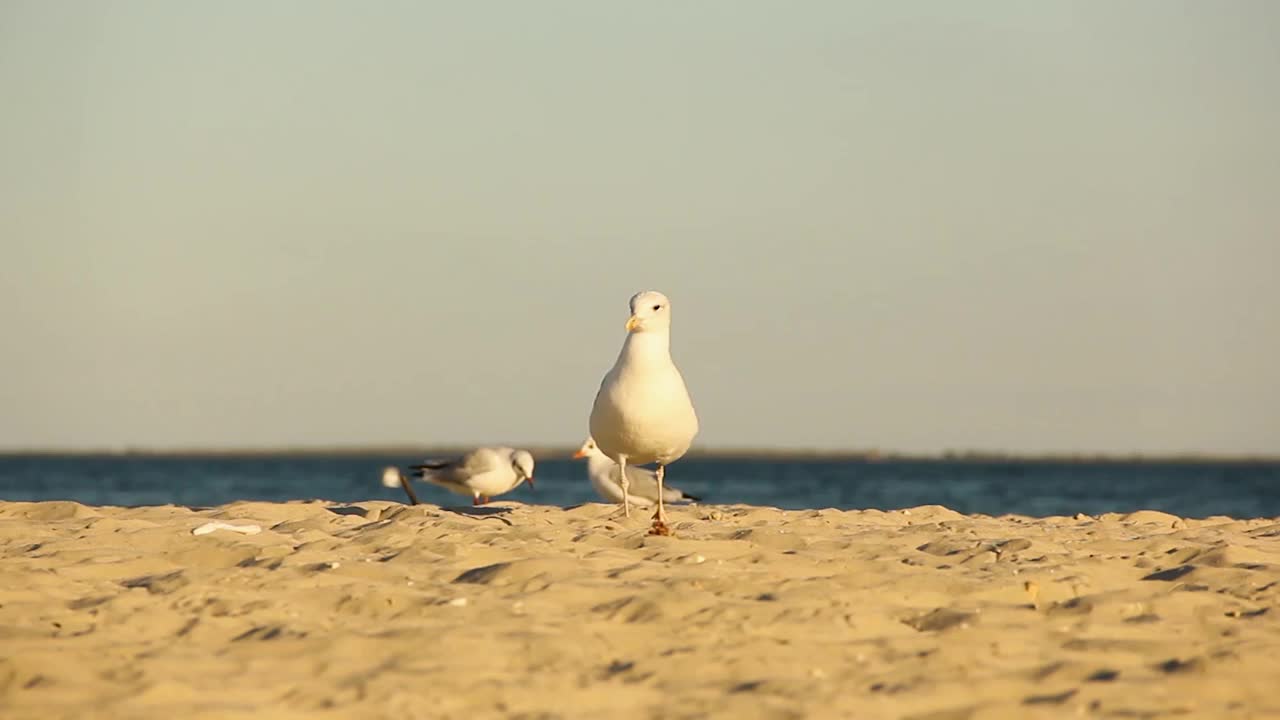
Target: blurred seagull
column 483, row 473
column 642, row 483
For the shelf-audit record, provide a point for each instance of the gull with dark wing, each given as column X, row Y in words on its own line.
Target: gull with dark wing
column 483, row 473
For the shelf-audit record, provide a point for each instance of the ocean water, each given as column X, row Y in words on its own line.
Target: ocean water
column 992, row 488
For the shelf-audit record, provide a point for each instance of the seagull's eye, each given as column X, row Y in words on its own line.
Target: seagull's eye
column 657, row 308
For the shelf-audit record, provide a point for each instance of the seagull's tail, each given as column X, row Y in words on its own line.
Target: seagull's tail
column 670, row 494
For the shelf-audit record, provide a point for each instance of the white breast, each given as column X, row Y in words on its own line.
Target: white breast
column 646, row 416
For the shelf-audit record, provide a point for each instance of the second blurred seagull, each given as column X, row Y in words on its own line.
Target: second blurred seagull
column 642, row 483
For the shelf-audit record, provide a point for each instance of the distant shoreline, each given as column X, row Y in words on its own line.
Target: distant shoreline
column 796, row 454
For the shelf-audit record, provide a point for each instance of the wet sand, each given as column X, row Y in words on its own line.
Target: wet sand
column 381, row 610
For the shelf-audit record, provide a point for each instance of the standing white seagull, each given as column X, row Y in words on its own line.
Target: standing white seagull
column 642, row 412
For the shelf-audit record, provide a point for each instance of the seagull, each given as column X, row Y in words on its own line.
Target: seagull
column 483, row 473
column 642, row 483
column 642, row 412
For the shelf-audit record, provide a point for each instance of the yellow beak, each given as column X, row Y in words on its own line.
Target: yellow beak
column 633, row 322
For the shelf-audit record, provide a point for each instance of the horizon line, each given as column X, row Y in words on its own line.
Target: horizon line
column 722, row 452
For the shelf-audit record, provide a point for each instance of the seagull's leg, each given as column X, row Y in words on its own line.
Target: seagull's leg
column 408, row 489
column 661, row 516
column 624, row 483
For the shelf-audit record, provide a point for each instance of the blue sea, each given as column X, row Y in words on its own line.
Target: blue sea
column 1191, row 489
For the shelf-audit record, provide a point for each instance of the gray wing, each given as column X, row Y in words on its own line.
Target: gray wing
column 456, row 471
column 644, row 482
column 483, row 460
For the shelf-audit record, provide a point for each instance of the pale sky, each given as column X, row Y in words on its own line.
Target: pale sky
column 1048, row 226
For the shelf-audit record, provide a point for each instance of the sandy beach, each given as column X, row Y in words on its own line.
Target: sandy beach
column 382, row 610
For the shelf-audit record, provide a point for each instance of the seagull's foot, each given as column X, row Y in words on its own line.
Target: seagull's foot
column 660, row 526
column 480, row 500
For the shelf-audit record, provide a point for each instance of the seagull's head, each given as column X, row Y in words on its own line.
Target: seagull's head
column 588, row 449
column 391, row 477
column 522, row 463
column 650, row 310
